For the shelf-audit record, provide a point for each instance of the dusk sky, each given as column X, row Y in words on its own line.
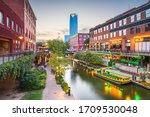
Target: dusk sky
column 53, row 15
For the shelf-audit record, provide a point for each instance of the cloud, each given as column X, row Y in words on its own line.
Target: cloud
column 49, row 35
column 64, row 31
column 84, row 30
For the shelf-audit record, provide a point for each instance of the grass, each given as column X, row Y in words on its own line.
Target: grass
column 33, row 95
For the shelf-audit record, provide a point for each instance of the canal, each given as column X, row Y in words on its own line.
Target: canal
column 85, row 86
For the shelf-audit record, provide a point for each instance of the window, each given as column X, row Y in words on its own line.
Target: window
column 101, row 37
column 16, row 27
column 111, row 26
column 138, row 16
column 95, row 32
column 120, row 33
column 138, row 30
column 107, row 27
column 107, row 36
column 148, row 13
column 132, row 30
column 99, row 30
column 132, row 18
column 124, row 21
column 81, row 35
column 110, row 35
column 8, row 22
column 12, row 25
column 147, row 27
column 104, row 28
column 120, row 23
column 115, row 25
column 114, row 34
column 1, row 18
column 104, row 36
column 124, row 32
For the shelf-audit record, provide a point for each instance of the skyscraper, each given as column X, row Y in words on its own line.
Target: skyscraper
column 73, row 26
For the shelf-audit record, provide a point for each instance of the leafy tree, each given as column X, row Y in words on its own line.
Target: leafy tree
column 57, row 62
column 89, row 57
column 57, row 46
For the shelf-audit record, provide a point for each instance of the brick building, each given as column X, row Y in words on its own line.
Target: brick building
column 77, row 41
column 17, row 26
column 127, row 32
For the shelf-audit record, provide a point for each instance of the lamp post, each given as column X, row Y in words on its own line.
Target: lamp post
column 21, row 46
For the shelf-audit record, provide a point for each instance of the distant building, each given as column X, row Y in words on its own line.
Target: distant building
column 76, row 42
column 73, row 26
column 17, row 26
column 127, row 32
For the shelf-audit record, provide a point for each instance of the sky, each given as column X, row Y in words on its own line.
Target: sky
column 53, row 15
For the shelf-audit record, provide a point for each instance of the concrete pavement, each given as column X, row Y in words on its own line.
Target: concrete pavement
column 53, row 91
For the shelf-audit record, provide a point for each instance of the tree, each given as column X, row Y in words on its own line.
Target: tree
column 58, row 62
column 57, row 46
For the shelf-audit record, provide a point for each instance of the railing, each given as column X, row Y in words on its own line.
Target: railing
column 9, row 57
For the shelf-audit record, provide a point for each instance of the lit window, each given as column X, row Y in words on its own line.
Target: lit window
column 8, row 22
column 107, row 36
column 1, row 17
column 138, row 16
column 111, row 26
column 132, row 18
column 12, row 25
column 110, row 35
column 107, row 27
column 115, row 25
column 104, row 36
column 114, row 34
column 99, row 38
column 124, row 21
column 124, row 32
column 120, row 23
column 148, row 13
column 120, row 33
column 101, row 29
column 104, row 28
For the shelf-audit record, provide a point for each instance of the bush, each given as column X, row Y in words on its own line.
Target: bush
column 16, row 69
column 33, row 80
column 60, row 80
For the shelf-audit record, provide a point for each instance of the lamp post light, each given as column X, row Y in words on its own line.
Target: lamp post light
column 20, row 37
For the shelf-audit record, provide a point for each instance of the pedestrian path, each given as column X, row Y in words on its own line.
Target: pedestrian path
column 53, row 91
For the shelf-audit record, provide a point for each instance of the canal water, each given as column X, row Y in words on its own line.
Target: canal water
column 85, row 86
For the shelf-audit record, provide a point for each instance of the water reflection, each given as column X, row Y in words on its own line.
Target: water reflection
column 85, row 86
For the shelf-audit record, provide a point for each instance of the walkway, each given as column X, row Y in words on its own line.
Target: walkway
column 53, row 91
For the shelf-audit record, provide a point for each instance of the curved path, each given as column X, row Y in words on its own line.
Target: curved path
column 53, row 91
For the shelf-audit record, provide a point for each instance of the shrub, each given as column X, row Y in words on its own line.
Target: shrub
column 60, row 80
column 33, row 80
column 16, row 69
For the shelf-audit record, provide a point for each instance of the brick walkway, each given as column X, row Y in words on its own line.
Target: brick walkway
column 53, row 91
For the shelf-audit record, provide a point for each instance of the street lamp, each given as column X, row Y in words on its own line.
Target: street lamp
column 21, row 37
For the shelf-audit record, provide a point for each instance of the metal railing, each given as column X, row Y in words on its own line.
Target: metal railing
column 9, row 57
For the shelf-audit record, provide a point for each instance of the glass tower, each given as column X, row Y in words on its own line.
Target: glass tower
column 73, row 26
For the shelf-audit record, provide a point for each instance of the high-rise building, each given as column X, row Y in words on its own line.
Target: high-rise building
column 73, row 26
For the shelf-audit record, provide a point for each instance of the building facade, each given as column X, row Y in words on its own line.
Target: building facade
column 76, row 42
column 127, row 32
column 11, row 29
column 73, row 26
column 15, row 32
